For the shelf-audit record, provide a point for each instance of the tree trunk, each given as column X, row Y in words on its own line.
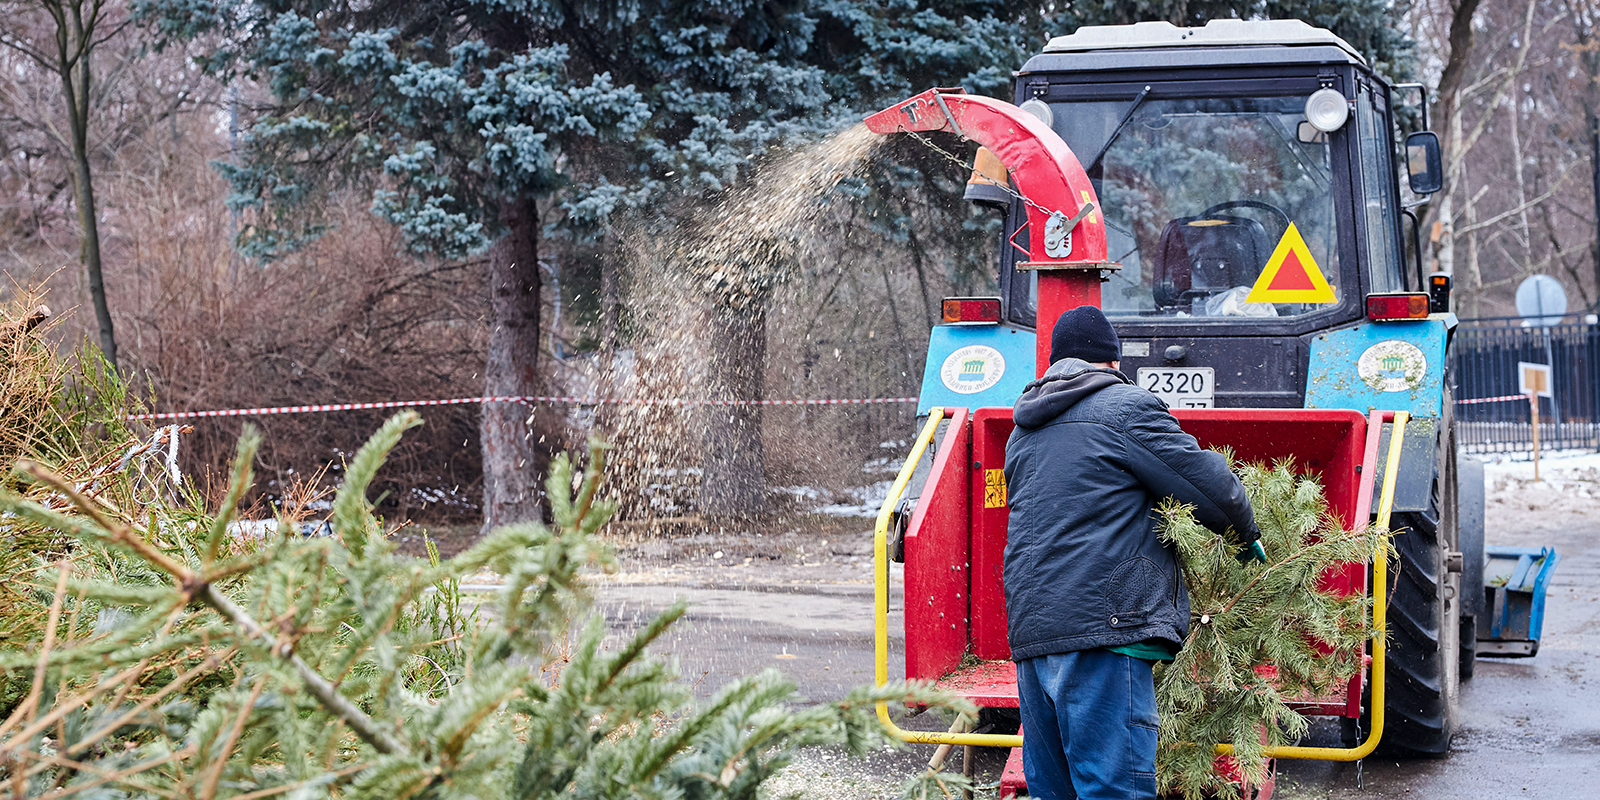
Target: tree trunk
column 732, row 479
column 88, row 217
column 1446, row 120
column 74, row 51
column 513, row 462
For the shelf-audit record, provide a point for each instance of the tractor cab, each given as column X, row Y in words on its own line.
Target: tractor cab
column 1214, row 150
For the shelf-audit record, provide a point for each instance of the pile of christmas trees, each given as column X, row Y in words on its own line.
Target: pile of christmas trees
column 207, row 662
column 1258, row 633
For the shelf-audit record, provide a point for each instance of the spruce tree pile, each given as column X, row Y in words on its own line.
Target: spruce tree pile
column 1258, row 633
column 208, row 664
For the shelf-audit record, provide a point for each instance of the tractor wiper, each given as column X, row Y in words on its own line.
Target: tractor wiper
column 1127, row 115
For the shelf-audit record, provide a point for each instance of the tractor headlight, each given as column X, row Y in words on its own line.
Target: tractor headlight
column 1040, row 109
column 1326, row 110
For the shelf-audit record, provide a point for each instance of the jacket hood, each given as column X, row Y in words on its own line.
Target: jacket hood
column 1064, row 384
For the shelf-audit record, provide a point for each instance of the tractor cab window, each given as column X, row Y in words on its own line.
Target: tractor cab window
column 1385, row 265
column 1199, row 194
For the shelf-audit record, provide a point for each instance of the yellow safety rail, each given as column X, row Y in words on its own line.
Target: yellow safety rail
column 880, row 596
column 1380, row 621
column 880, row 604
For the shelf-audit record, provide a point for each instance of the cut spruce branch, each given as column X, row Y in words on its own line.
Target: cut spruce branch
column 194, row 587
column 1257, row 634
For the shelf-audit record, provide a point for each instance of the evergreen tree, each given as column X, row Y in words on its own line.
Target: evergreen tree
column 526, row 128
column 1257, row 634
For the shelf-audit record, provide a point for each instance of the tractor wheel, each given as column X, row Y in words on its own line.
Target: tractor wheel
column 1422, row 657
column 1423, row 661
column 1468, row 647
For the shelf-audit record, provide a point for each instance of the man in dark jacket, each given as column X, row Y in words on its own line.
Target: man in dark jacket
column 1093, row 597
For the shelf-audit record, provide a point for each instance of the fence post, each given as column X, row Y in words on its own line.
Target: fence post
column 1533, row 403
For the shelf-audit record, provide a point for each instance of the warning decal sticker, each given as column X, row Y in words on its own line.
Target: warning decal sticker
column 994, row 488
column 1291, row 275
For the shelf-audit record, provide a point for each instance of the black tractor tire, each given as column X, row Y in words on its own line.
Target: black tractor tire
column 1422, row 658
column 1468, row 646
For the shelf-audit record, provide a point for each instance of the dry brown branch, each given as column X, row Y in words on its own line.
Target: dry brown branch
column 208, row 790
column 30, row 706
column 118, row 531
column 211, row 662
column 63, row 707
column 124, row 776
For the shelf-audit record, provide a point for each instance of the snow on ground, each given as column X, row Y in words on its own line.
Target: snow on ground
column 1569, row 481
column 869, row 499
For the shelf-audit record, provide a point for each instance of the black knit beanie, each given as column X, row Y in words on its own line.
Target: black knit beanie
column 1084, row 333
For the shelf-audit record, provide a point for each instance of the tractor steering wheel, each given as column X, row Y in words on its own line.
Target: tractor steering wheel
column 1248, row 204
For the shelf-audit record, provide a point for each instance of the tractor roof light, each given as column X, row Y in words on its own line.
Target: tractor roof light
column 1402, row 305
column 1040, row 109
column 971, row 310
column 1327, row 110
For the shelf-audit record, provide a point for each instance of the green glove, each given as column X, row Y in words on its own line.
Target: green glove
column 1251, row 552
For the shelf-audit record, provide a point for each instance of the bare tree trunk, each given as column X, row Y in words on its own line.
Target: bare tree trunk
column 76, row 37
column 513, row 463
column 88, row 216
column 732, row 479
column 1526, row 242
column 1447, row 96
column 1447, row 123
column 606, row 415
column 1584, row 21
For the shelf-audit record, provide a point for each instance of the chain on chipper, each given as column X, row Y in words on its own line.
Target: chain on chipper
column 1058, row 226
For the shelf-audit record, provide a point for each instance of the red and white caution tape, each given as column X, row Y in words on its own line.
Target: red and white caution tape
column 524, row 399
column 1500, row 399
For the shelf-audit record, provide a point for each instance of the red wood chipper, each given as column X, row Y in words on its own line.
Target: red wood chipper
column 1208, row 145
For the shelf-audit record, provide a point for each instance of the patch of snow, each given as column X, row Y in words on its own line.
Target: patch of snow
column 870, row 500
column 1518, row 463
column 1570, row 479
column 268, row 528
column 799, row 492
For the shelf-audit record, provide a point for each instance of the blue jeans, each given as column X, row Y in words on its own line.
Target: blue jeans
column 1088, row 725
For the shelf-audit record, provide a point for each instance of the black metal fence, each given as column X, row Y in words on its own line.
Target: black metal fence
column 1485, row 366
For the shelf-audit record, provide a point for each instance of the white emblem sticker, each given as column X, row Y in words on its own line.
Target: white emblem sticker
column 1392, row 366
column 972, row 369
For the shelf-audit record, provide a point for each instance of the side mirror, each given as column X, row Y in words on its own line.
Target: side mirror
column 1308, row 134
column 1423, row 163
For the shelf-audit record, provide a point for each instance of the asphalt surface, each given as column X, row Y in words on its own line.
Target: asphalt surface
column 1528, row 727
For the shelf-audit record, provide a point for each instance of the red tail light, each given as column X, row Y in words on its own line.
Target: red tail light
column 1410, row 305
column 971, row 309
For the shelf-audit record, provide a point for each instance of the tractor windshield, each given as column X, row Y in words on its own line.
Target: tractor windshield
column 1215, row 207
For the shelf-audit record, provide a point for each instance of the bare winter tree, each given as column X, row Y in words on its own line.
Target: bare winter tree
column 1513, row 109
column 64, row 44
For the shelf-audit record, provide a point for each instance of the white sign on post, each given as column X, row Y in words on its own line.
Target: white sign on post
column 1534, row 379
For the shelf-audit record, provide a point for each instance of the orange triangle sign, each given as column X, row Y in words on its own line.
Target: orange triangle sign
column 1291, row 275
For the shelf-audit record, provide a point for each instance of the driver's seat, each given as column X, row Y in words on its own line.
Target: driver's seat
column 1202, row 255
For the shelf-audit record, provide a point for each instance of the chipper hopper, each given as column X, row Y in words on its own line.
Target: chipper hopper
column 1258, row 348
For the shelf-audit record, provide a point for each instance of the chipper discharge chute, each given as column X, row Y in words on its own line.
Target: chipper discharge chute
column 1248, row 251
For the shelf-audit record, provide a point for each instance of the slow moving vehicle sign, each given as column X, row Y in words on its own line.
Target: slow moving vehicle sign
column 1291, row 275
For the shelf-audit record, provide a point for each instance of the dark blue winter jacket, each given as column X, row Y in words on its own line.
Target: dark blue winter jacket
column 1091, row 456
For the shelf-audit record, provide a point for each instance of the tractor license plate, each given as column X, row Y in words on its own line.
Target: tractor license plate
column 1181, row 387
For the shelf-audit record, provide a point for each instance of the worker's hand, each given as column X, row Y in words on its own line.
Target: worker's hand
column 1251, row 552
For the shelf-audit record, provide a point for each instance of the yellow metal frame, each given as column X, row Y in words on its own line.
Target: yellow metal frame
column 880, row 598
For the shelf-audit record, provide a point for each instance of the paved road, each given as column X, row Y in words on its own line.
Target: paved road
column 1530, row 727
